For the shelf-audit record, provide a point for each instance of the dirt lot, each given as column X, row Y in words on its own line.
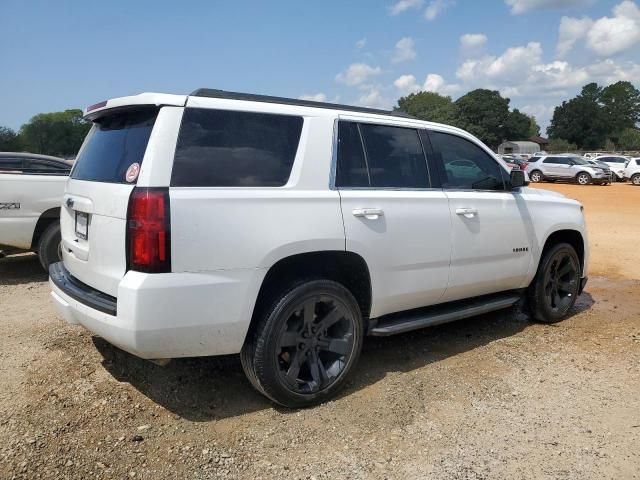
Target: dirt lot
column 491, row 397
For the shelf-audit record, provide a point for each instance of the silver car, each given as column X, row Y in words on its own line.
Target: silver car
column 567, row 168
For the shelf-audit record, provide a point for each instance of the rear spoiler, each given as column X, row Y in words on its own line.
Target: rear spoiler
column 144, row 99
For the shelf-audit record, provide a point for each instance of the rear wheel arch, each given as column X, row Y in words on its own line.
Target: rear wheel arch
column 46, row 218
column 347, row 268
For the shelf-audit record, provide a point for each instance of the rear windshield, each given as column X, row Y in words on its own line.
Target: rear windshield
column 114, row 143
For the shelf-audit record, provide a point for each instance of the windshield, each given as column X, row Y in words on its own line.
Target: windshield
column 579, row 161
column 114, row 143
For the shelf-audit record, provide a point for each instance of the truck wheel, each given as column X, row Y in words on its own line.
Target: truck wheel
column 583, row 178
column 635, row 179
column 555, row 287
column 49, row 246
column 535, row 176
column 306, row 345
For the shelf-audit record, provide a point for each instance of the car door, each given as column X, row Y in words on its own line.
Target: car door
column 392, row 217
column 490, row 237
column 554, row 167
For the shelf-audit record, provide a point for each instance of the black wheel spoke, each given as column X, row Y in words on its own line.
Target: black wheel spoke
column 309, row 313
column 294, row 368
column 314, row 367
column 567, row 286
column 567, row 268
column 331, row 318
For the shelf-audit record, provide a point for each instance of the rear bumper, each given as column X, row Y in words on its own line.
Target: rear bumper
column 163, row 315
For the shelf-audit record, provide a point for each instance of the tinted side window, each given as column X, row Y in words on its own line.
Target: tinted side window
column 351, row 168
column 394, row 156
column 533, row 159
column 43, row 167
column 219, row 148
column 10, row 165
column 464, row 165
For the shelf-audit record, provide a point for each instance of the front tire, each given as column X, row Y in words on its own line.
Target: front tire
column 49, row 246
column 583, row 178
column 536, row 176
column 554, row 289
column 306, row 344
column 635, row 179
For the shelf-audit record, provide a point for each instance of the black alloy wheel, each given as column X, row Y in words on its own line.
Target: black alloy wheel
column 305, row 345
column 555, row 288
column 315, row 343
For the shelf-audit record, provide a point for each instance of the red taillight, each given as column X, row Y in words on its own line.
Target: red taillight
column 95, row 106
column 149, row 230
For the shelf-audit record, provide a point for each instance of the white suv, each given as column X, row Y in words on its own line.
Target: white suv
column 632, row 171
column 31, row 189
column 287, row 230
column 617, row 164
column 569, row 168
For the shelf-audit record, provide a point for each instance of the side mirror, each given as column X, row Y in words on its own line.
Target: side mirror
column 518, row 178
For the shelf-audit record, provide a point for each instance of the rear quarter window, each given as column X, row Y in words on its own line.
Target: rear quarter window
column 220, row 148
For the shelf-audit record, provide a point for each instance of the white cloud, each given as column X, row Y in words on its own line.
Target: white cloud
column 605, row 36
column 471, row 43
column 316, row 97
column 404, row 51
column 404, row 5
column 372, row 97
column 511, row 66
column 571, row 30
column 361, row 43
column 435, row 8
column 522, row 6
column 357, row 74
column 611, row 35
column 407, row 84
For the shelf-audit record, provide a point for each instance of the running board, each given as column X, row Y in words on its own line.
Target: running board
column 447, row 312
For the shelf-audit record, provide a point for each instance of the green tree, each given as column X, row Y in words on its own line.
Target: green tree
column 629, row 139
column 484, row 114
column 534, row 128
column 429, row 106
column 581, row 120
column 57, row 133
column 621, row 105
column 517, row 126
column 9, row 140
column 561, row 145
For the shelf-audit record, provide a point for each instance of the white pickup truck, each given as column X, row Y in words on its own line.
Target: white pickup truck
column 31, row 190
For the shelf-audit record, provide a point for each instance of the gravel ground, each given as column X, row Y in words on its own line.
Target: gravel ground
column 490, row 397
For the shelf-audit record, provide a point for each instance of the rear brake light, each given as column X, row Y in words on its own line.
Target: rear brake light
column 149, row 230
column 95, row 106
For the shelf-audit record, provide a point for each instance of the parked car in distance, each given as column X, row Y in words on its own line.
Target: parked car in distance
column 567, row 168
column 617, row 164
column 513, row 161
column 632, row 171
column 286, row 230
column 31, row 189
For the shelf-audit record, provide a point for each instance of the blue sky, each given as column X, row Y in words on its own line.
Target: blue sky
column 69, row 54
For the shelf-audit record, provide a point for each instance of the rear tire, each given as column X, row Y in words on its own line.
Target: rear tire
column 536, row 176
column 635, row 179
column 306, row 345
column 49, row 246
column 554, row 289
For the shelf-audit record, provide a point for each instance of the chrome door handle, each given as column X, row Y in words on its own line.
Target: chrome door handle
column 368, row 213
column 467, row 212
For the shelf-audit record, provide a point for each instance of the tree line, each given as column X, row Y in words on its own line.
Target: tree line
column 57, row 133
column 597, row 118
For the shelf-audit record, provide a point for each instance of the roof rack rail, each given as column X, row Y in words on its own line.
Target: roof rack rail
column 249, row 97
